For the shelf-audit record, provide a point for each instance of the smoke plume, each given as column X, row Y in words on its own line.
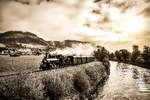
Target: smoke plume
column 76, row 50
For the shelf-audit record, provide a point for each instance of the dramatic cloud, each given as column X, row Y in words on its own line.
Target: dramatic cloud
column 120, row 21
column 30, row 2
column 110, row 22
column 52, row 20
column 147, row 1
column 146, row 12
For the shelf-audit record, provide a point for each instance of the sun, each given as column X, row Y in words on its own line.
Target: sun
column 134, row 25
column 119, row 27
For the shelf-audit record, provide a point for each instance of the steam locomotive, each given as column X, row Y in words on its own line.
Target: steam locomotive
column 60, row 61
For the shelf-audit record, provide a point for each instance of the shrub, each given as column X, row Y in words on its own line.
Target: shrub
column 93, row 75
column 57, row 86
column 53, row 88
column 81, row 82
column 15, row 89
column 140, row 60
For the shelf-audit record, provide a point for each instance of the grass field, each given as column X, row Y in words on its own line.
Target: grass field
column 19, row 64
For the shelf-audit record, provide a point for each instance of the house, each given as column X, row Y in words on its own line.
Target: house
column 2, row 47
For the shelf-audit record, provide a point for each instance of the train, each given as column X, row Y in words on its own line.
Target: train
column 60, row 61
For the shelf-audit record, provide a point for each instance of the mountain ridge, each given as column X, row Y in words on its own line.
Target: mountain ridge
column 18, row 39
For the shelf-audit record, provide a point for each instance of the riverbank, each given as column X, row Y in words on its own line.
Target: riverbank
column 76, row 83
column 135, row 64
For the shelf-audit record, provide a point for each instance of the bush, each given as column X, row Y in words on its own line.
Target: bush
column 81, row 82
column 57, row 86
column 53, row 88
column 140, row 60
column 15, row 89
column 93, row 74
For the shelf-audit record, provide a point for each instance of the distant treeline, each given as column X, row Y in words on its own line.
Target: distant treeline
column 136, row 57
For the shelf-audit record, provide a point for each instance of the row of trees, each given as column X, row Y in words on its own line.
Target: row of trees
column 102, row 54
column 134, row 57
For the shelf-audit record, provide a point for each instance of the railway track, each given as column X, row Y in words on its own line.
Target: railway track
column 25, row 72
column 17, row 73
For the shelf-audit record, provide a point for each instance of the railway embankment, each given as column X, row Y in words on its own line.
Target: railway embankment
column 79, row 82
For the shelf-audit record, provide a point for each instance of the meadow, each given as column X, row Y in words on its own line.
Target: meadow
column 18, row 64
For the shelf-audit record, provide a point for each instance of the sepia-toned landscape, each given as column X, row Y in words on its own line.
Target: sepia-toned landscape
column 74, row 50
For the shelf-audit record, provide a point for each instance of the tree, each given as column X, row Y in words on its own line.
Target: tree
column 146, row 54
column 135, row 54
column 112, row 56
column 101, row 53
column 125, row 55
column 118, row 56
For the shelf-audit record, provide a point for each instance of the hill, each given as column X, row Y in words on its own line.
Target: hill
column 21, row 39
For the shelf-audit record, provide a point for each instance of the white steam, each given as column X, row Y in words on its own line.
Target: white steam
column 76, row 50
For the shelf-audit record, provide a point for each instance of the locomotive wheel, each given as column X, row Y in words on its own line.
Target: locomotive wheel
column 43, row 67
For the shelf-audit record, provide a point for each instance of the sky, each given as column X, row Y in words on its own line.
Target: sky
column 112, row 23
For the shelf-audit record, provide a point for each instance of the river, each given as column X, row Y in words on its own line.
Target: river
column 126, row 82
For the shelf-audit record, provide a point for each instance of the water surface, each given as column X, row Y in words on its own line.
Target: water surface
column 126, row 82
